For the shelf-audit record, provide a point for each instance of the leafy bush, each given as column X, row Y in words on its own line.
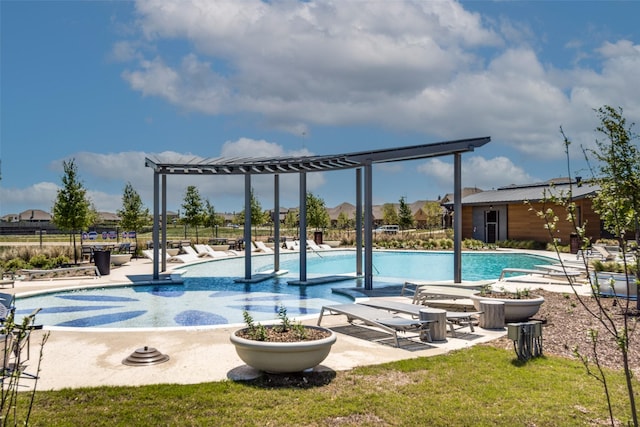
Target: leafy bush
column 15, row 264
column 522, row 244
column 39, row 261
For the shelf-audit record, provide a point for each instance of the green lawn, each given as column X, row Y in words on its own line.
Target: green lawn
column 474, row 387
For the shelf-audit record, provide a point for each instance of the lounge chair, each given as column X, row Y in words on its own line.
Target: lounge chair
column 315, row 247
column 148, row 253
column 6, row 282
column 292, row 245
column 189, row 255
column 612, row 253
column 380, row 319
column 261, row 247
column 454, row 318
column 208, row 251
column 14, row 345
column 570, row 275
column 7, row 300
column 427, row 292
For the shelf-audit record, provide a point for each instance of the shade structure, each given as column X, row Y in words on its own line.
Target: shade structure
column 301, row 165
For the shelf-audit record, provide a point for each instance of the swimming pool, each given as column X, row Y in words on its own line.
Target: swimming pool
column 209, row 296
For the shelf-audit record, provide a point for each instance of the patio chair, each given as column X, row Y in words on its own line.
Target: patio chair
column 189, row 255
column 426, row 292
column 291, row 245
column 380, row 319
column 454, row 318
column 605, row 255
column 6, row 282
column 315, row 247
column 208, row 251
column 569, row 274
column 15, row 346
column 261, row 247
column 7, row 300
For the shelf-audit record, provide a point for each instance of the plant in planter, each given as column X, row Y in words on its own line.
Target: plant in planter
column 282, row 348
column 519, row 306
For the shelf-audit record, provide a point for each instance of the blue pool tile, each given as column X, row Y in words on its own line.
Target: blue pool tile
column 96, row 298
column 104, row 319
column 68, row 309
column 199, row 318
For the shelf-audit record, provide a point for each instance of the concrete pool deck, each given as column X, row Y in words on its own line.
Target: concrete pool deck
column 89, row 358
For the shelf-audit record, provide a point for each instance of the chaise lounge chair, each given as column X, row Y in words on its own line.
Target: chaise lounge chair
column 570, row 275
column 315, row 247
column 427, row 292
column 208, row 251
column 292, row 245
column 261, row 247
column 381, row 319
column 454, row 318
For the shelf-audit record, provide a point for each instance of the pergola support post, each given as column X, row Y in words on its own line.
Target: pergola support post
column 303, row 226
column 457, row 218
column 247, row 226
column 358, row 229
column 368, row 219
column 276, row 222
column 163, row 244
column 156, row 225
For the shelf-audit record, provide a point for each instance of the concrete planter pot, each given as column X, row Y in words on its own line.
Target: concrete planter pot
column 283, row 357
column 515, row 310
column 119, row 259
column 615, row 284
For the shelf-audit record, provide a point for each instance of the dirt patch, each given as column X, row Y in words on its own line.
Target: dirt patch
column 566, row 328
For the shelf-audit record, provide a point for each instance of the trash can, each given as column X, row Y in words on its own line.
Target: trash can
column 574, row 243
column 102, row 259
column 317, row 237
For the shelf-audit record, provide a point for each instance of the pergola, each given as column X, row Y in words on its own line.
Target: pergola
column 360, row 161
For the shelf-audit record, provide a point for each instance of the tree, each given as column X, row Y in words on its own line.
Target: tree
column 192, row 207
column 133, row 215
column 317, row 215
column 343, row 221
column 405, row 217
column 258, row 216
column 291, row 219
column 210, row 218
column 389, row 214
column 618, row 175
column 72, row 209
column 433, row 214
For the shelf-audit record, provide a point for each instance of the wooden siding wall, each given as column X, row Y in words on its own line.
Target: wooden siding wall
column 467, row 222
column 524, row 224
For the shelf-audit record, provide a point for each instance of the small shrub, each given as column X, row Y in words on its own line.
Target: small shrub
column 15, row 264
column 39, row 261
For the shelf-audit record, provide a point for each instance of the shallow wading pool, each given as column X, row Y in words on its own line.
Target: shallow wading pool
column 210, row 297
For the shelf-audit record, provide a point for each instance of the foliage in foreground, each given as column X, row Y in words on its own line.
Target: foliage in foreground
column 618, row 205
column 478, row 386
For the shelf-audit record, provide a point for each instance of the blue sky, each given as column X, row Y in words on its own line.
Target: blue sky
column 110, row 83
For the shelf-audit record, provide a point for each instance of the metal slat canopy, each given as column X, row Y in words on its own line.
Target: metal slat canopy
column 304, row 164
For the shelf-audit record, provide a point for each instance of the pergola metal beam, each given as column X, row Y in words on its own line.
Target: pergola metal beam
column 279, row 165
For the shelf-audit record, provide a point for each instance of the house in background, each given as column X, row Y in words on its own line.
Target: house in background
column 509, row 213
column 34, row 215
column 10, row 218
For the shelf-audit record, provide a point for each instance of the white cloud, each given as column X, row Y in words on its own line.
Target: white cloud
column 31, row 197
column 410, row 66
column 477, row 172
column 110, row 172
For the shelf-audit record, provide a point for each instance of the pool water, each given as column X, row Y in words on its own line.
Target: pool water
column 209, row 296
